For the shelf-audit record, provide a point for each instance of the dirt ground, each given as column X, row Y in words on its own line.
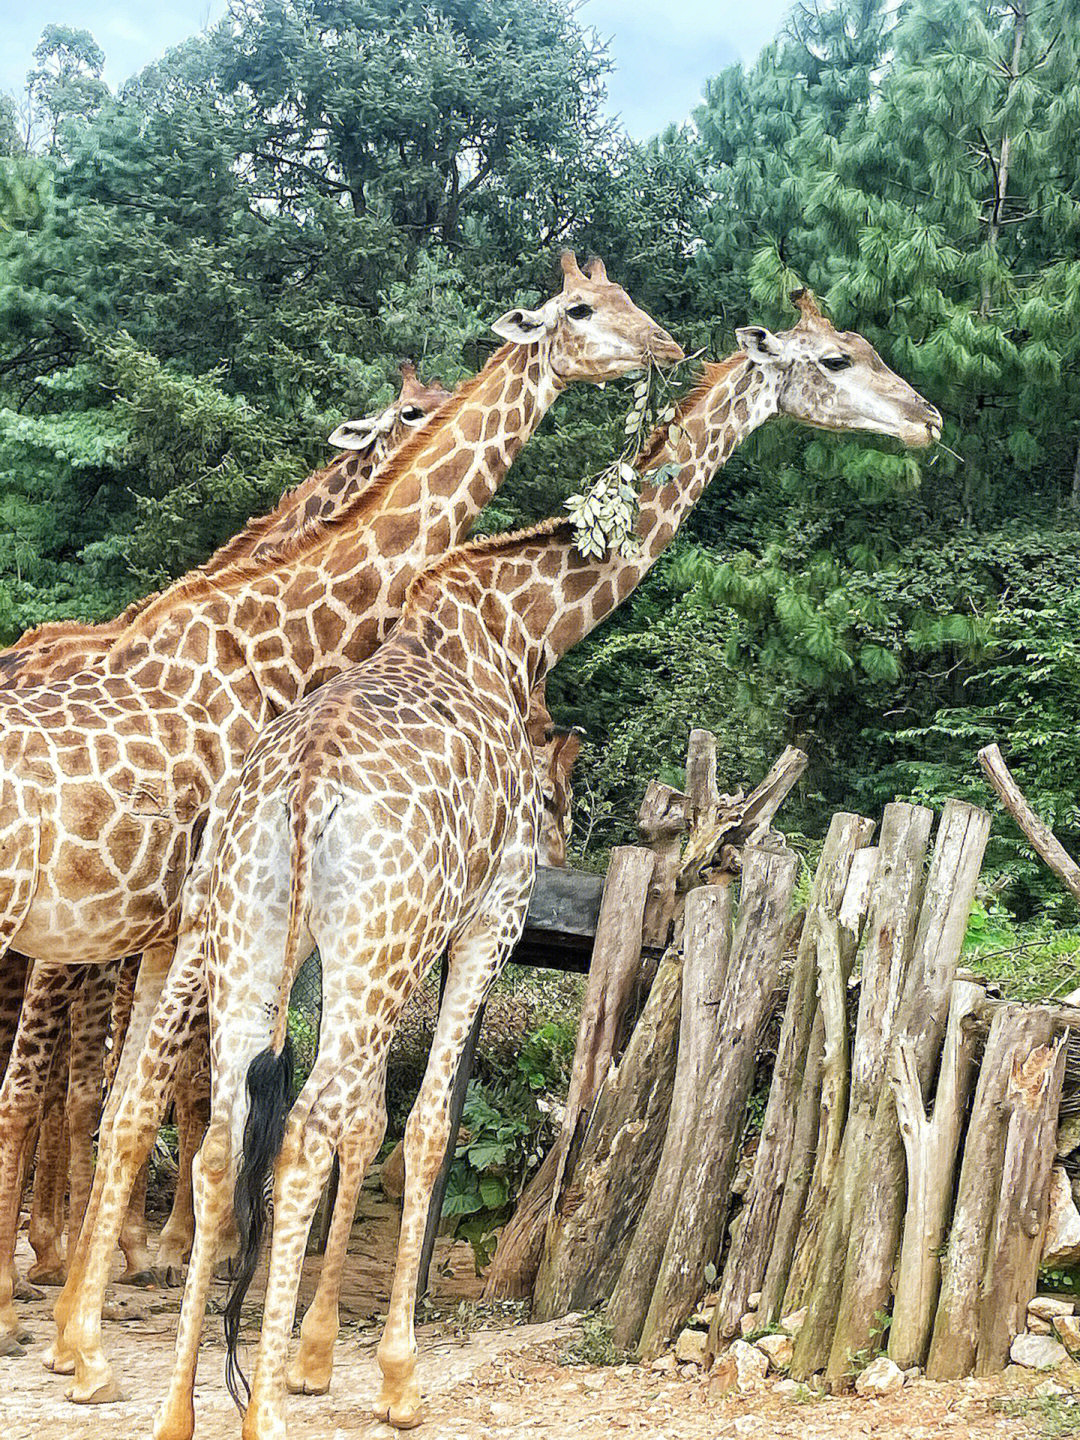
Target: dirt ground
column 488, row 1378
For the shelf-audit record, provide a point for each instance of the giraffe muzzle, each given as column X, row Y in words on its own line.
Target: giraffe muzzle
column 663, row 350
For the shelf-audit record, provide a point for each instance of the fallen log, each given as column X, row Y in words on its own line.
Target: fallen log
column 1043, row 840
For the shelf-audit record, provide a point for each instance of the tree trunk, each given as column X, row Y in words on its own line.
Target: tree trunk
column 888, row 941
column 875, row 1234
column 768, row 882
column 1015, row 1030
column 1033, row 1098
column 931, row 1145
column 707, row 949
column 749, row 1257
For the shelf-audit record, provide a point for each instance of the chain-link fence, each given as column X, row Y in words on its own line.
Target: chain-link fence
column 305, row 1011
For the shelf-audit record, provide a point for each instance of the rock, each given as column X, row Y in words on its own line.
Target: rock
column 689, row 1371
column 1048, row 1387
column 779, row 1349
column 724, row 1375
column 751, row 1366
column 753, row 1300
column 1037, row 1326
column 794, row 1322
column 1068, row 1135
column 748, row 1426
column 748, row 1324
column 881, row 1377
column 788, row 1389
column 1037, row 1352
column 690, row 1346
column 913, row 1373
column 1049, row 1307
column 1062, row 1243
column 1068, row 1332
column 703, row 1316
column 664, row 1363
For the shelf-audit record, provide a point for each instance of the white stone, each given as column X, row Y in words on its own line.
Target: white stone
column 690, row 1346
column 1037, row 1352
column 753, row 1300
column 748, row 1324
column 1036, row 1325
column 1068, row 1332
column 881, row 1377
column 788, row 1389
column 779, row 1349
column 663, row 1363
column 1062, row 1243
column 1049, row 1307
column 751, row 1366
column 794, row 1322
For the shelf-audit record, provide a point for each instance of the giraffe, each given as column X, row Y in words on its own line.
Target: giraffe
column 97, row 865
column 390, row 815
column 56, row 651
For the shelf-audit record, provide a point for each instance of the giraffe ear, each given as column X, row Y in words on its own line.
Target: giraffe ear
column 761, row 345
column 355, row 434
column 523, row 327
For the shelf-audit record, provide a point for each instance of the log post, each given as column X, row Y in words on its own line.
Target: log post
column 768, row 882
column 755, row 1247
column 875, row 1233
column 590, row 1226
column 1014, row 1030
column 931, row 1145
column 611, row 986
column 1043, row 840
column 1033, row 1097
column 662, row 822
column 888, row 941
column 706, row 950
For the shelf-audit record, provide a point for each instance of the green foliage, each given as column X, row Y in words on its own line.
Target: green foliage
column 506, row 1129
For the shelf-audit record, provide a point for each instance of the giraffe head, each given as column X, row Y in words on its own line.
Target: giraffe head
column 591, row 330
column 386, row 429
column 556, row 749
column 836, row 380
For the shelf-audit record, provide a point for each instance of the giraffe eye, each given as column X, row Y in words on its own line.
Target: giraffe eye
column 411, row 414
column 837, row 362
column 580, row 312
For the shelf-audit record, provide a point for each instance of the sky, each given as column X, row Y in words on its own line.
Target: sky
column 663, row 49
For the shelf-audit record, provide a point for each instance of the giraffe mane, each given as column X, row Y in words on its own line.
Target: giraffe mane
column 422, row 585
column 201, row 586
column 711, row 374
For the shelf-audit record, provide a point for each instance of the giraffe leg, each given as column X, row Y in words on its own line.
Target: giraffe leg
column 50, row 992
column 133, row 1238
column 125, row 1146
column 152, row 974
column 89, row 1030
column 310, row 1371
column 474, row 961
column 192, row 1103
column 50, row 1178
column 243, row 1029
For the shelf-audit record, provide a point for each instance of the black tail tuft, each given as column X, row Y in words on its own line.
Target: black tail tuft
column 269, row 1083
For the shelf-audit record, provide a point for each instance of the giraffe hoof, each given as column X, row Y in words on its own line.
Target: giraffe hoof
column 25, row 1291
column 43, row 1276
column 167, row 1277
column 139, row 1279
column 58, row 1363
column 404, row 1414
column 104, row 1394
column 305, row 1383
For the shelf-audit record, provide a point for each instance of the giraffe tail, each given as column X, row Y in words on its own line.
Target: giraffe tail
column 269, row 1088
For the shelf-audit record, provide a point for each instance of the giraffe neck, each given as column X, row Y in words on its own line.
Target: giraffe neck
column 515, row 604
column 325, row 600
